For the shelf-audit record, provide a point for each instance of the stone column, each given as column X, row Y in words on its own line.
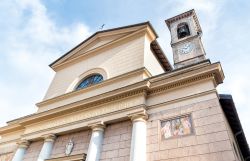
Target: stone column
column 20, row 152
column 95, row 145
column 139, row 133
column 47, row 147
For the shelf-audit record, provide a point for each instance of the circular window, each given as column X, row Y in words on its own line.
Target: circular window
column 90, row 80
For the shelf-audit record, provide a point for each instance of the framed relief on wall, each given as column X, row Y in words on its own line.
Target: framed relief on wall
column 176, row 127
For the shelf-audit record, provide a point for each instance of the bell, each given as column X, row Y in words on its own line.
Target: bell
column 183, row 31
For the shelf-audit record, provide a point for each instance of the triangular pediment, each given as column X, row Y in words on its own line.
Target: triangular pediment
column 98, row 40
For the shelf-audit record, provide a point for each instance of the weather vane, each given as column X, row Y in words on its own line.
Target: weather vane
column 101, row 28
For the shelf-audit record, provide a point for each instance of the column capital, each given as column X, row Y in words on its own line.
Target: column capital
column 138, row 116
column 97, row 126
column 49, row 137
column 23, row 143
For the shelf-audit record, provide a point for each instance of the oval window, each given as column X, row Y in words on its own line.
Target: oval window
column 90, row 80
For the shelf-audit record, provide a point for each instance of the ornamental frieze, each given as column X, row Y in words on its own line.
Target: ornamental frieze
column 86, row 114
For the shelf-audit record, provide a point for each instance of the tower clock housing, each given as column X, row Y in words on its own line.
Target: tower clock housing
column 186, row 42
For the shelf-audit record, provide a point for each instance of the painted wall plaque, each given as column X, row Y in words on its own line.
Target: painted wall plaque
column 176, row 127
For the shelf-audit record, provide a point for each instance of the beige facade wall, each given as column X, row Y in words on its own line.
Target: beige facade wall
column 209, row 142
column 6, row 157
column 81, row 143
column 7, row 151
column 116, row 143
column 150, row 61
column 121, row 58
column 11, row 136
column 98, row 89
column 33, row 151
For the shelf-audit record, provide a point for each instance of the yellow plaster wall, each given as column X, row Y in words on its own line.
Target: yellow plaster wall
column 96, row 90
column 183, row 92
column 119, row 59
column 11, row 136
column 150, row 61
column 7, row 148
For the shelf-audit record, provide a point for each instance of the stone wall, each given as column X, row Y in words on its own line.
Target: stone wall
column 6, row 157
column 33, row 151
column 116, row 143
column 81, row 142
column 7, row 151
column 209, row 141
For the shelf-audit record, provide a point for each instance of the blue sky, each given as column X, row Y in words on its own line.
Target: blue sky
column 34, row 33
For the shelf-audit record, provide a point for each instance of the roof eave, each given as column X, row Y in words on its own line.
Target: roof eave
column 231, row 114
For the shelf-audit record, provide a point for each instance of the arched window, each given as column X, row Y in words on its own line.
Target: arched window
column 183, row 30
column 90, row 80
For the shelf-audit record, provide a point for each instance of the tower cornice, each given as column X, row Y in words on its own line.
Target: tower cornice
column 184, row 15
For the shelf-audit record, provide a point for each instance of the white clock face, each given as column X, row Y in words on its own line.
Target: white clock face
column 186, row 48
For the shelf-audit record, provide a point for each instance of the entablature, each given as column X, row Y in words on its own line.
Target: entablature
column 115, row 104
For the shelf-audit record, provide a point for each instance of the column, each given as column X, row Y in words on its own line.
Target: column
column 20, row 152
column 139, row 134
column 95, row 145
column 47, row 147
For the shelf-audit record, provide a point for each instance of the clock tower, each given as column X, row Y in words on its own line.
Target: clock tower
column 186, row 42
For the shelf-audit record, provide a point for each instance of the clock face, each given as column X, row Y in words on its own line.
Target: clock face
column 186, row 48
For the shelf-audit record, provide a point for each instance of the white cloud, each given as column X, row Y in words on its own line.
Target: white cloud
column 30, row 40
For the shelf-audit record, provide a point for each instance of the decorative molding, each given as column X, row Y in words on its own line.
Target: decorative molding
column 49, row 137
column 151, row 86
column 110, row 32
column 130, row 35
column 105, row 82
column 84, row 115
column 138, row 116
column 180, row 83
column 23, row 143
column 183, row 99
column 141, row 86
column 10, row 141
column 97, row 126
column 78, row 80
column 184, row 15
column 78, row 157
column 10, row 128
column 80, row 122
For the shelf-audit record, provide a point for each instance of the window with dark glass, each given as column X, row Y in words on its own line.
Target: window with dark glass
column 90, row 80
column 183, row 30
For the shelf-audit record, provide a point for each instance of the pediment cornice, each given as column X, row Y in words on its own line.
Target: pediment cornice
column 88, row 46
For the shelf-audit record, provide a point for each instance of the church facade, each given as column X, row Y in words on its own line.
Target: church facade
column 116, row 97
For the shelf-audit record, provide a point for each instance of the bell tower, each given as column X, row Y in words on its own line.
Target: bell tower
column 186, row 42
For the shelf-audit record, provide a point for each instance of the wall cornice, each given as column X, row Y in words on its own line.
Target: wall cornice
column 78, row 92
column 151, row 86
